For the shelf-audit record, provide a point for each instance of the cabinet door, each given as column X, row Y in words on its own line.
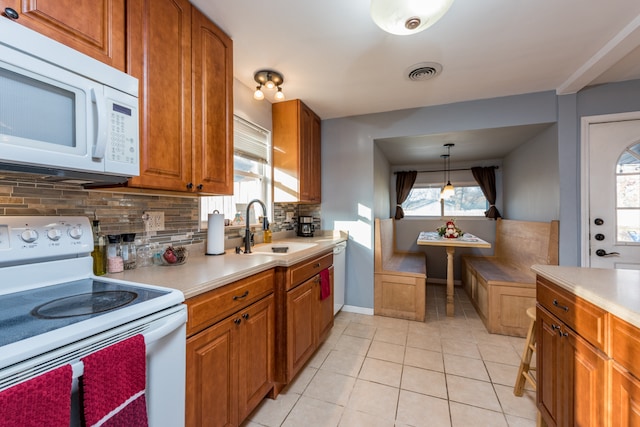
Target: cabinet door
column 571, row 376
column 212, row 71
column 296, row 153
column 211, row 382
column 159, row 48
column 325, row 310
column 255, row 355
column 309, row 155
column 301, row 329
column 585, row 372
column 625, row 398
column 93, row 27
column 549, row 368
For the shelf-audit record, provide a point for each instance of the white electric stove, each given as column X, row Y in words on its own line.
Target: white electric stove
column 54, row 311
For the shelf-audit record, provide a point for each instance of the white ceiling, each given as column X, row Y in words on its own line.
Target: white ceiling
column 340, row 63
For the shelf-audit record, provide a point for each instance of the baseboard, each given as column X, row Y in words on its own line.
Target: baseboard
column 356, row 309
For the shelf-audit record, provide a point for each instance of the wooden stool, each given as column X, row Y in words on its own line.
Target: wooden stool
column 525, row 371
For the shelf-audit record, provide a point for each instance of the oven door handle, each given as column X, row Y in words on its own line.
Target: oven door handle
column 170, row 323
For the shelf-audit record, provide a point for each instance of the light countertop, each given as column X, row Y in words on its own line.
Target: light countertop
column 202, row 273
column 616, row 291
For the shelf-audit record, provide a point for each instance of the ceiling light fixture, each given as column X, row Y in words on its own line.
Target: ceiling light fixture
column 407, row 16
column 447, row 190
column 271, row 80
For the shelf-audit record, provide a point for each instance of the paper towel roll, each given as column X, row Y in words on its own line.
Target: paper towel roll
column 215, row 234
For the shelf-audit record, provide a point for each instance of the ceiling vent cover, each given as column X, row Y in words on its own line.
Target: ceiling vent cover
column 423, row 71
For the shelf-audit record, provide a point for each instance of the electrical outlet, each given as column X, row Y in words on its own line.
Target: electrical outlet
column 289, row 216
column 155, row 222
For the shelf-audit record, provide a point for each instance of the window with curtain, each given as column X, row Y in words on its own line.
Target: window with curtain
column 424, row 198
column 252, row 169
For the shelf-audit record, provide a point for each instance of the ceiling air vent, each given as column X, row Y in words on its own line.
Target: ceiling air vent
column 423, row 71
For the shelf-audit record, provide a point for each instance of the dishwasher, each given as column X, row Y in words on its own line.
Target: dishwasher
column 339, row 254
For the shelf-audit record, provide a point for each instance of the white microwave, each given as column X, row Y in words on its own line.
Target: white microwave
column 63, row 113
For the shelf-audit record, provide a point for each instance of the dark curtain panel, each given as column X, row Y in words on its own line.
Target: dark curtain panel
column 486, row 179
column 404, row 183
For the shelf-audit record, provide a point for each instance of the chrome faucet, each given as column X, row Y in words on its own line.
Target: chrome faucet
column 247, row 230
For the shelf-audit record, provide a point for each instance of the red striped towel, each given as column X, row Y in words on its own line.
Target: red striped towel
column 44, row 400
column 113, row 385
column 325, row 284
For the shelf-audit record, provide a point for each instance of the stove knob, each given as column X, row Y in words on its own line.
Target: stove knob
column 54, row 234
column 29, row 236
column 75, row 233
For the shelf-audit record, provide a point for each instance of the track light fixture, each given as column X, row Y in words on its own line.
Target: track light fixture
column 271, row 80
column 447, row 190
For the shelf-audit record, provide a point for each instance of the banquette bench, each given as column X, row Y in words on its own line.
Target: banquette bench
column 399, row 277
column 501, row 287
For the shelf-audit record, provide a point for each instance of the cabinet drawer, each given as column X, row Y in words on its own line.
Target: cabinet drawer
column 586, row 319
column 302, row 271
column 210, row 307
column 625, row 345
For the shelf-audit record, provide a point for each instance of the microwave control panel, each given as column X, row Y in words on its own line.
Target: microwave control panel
column 122, row 144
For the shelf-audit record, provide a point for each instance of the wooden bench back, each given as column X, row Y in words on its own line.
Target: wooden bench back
column 384, row 242
column 524, row 243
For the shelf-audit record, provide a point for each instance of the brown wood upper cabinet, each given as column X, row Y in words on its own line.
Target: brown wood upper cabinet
column 184, row 64
column 93, row 27
column 296, row 153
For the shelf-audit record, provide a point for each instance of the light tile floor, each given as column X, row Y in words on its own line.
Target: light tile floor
column 378, row 371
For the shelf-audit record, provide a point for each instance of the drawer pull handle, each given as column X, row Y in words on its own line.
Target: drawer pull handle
column 245, row 316
column 237, row 321
column 317, row 265
column 564, row 307
column 555, row 327
column 244, row 295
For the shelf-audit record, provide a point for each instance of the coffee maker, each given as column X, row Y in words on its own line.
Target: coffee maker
column 305, row 226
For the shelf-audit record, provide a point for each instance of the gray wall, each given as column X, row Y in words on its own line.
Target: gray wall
column 383, row 205
column 258, row 112
column 603, row 99
column 348, row 163
column 348, row 183
column 531, row 186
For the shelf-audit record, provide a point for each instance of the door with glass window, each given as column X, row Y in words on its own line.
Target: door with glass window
column 614, row 194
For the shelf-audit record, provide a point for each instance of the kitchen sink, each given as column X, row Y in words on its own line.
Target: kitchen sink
column 281, row 248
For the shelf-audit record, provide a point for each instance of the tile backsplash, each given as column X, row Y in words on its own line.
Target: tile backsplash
column 121, row 212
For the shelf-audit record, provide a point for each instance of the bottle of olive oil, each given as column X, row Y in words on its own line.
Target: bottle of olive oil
column 99, row 254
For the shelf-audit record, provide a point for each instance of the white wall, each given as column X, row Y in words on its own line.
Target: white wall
column 531, row 182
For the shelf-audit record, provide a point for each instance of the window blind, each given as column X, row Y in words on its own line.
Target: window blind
column 250, row 140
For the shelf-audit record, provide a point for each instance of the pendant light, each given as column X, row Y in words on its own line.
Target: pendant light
column 447, row 190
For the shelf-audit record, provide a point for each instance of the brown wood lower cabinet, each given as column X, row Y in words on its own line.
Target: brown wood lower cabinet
column 230, row 363
column 571, row 375
column 586, row 362
column 625, row 397
column 304, row 319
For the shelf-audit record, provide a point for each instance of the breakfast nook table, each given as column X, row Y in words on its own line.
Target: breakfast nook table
column 432, row 238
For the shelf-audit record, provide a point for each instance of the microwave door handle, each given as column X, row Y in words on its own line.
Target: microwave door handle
column 101, row 137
